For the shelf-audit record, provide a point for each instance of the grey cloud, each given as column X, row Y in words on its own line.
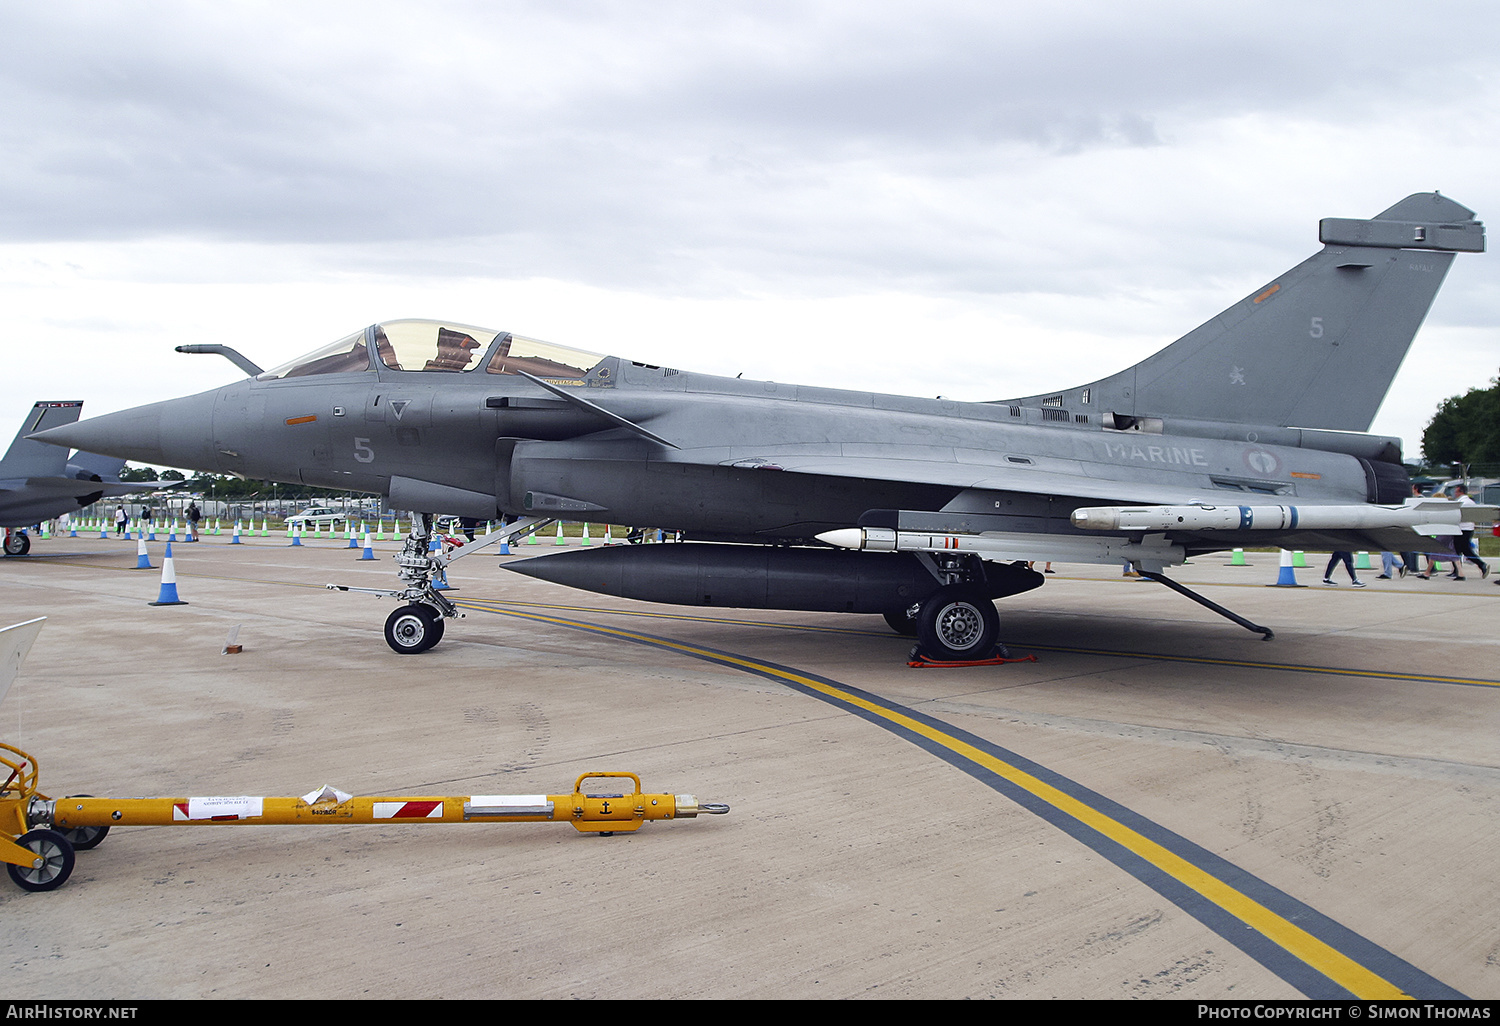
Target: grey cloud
column 671, row 146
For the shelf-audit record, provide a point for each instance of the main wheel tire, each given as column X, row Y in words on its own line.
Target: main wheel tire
column 958, row 623
column 57, row 861
column 413, row 628
column 84, row 838
column 902, row 621
column 18, row 543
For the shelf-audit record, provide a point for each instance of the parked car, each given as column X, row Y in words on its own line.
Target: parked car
column 318, row 516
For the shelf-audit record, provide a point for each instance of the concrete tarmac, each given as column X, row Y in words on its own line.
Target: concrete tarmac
column 1350, row 764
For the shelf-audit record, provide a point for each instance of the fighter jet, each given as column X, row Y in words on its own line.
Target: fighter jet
column 39, row 482
column 1248, row 430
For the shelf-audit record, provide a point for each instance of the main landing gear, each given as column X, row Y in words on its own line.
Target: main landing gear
column 958, row 621
column 418, row 624
column 17, row 543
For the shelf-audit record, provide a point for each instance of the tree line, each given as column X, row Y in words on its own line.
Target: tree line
column 1466, row 429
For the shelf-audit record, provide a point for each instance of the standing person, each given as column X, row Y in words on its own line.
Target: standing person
column 1347, row 558
column 1463, row 544
column 193, row 516
column 120, row 519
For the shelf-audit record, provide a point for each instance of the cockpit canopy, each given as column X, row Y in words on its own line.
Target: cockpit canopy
column 417, row 345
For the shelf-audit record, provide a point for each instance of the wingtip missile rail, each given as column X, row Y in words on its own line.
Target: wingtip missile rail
column 1425, row 516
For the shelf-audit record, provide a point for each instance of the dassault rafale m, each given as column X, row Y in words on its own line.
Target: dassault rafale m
column 1248, row 430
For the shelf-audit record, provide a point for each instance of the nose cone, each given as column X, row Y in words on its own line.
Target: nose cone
column 175, row 433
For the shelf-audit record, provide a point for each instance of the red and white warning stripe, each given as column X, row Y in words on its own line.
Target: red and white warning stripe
column 409, row 810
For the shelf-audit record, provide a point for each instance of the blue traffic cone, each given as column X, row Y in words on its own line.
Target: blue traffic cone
column 236, row 539
column 296, row 535
column 168, row 595
column 1287, row 578
column 142, row 560
column 369, row 553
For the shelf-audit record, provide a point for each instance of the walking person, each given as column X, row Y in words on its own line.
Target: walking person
column 1347, row 558
column 1463, row 544
column 120, row 519
column 194, row 514
column 1410, row 565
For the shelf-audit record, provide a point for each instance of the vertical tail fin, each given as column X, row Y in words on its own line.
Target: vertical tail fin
column 1317, row 347
column 90, row 466
column 26, row 458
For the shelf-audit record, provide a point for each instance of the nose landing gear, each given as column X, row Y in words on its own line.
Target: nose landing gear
column 418, row 625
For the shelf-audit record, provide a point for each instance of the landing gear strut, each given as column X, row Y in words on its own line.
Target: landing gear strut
column 418, row 624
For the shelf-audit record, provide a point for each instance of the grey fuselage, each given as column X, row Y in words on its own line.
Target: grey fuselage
column 753, row 461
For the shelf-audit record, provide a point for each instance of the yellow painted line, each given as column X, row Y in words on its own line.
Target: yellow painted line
column 1251, row 664
column 1349, row 974
column 1340, row 671
column 685, row 617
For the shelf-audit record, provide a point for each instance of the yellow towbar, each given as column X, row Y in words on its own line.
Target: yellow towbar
column 38, row 835
column 590, row 813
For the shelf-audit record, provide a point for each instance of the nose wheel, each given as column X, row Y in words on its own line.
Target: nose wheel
column 413, row 628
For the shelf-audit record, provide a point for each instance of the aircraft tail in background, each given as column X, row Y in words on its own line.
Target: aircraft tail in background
column 26, row 458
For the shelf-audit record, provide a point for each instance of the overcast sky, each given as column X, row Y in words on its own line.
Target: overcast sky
column 977, row 200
